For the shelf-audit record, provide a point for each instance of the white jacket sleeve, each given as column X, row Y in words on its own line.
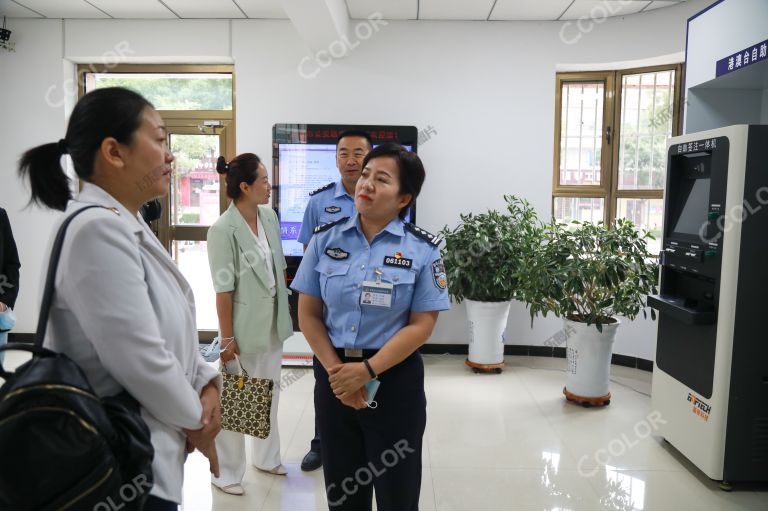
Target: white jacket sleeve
column 103, row 284
column 204, row 374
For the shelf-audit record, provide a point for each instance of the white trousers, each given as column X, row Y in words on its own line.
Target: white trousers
column 265, row 454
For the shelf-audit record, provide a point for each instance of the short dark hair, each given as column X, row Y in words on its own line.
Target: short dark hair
column 243, row 169
column 412, row 173
column 110, row 112
column 355, row 133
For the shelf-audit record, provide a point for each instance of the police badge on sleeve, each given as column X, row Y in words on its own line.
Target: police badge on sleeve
column 438, row 274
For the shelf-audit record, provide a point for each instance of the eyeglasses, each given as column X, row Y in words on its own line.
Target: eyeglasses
column 356, row 156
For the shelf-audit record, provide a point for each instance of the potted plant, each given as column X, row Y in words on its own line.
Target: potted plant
column 484, row 256
column 588, row 275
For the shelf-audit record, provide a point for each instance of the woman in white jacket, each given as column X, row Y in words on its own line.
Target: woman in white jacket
column 122, row 309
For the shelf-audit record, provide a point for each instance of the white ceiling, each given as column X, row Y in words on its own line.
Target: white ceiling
column 133, row 9
column 494, row 10
column 454, row 9
column 205, row 8
column 659, row 5
column 538, row 10
column 389, row 9
column 601, row 8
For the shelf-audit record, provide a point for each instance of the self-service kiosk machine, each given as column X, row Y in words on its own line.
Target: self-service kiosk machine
column 710, row 383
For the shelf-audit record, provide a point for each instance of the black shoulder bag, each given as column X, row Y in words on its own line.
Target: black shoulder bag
column 61, row 446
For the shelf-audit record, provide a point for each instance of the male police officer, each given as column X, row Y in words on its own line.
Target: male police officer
column 329, row 203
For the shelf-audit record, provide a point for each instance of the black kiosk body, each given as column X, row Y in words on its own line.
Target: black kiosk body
column 710, row 383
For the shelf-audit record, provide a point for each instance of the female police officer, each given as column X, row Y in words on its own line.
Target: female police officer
column 357, row 340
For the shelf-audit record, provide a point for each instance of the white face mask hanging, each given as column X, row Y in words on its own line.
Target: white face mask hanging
column 370, row 390
column 211, row 352
column 7, row 320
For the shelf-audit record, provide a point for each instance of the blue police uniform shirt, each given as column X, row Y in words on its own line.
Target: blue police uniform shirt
column 339, row 259
column 326, row 205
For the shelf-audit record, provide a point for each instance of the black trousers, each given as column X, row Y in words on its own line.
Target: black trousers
column 314, row 445
column 156, row 504
column 374, row 448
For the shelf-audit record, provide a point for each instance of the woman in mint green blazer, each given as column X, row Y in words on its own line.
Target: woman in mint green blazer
column 248, row 271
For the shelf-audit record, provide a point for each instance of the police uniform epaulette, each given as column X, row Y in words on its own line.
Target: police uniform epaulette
column 322, row 189
column 325, row 227
column 422, row 234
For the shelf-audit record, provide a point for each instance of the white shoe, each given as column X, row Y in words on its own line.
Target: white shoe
column 232, row 489
column 278, row 470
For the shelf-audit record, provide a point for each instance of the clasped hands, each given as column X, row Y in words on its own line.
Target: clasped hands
column 347, row 381
column 203, row 439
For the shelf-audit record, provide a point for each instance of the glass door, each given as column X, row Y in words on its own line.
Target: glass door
column 195, row 201
column 197, row 103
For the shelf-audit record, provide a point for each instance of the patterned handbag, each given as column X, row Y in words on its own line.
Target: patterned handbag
column 246, row 403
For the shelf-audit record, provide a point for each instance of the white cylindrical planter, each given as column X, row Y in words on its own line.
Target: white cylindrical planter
column 589, row 362
column 487, row 322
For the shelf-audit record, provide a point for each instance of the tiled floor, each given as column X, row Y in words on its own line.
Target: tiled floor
column 503, row 442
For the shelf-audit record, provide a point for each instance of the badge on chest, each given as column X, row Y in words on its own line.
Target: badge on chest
column 336, row 253
column 398, row 261
column 376, row 293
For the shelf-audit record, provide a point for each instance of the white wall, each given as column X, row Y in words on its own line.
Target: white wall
column 714, row 108
column 726, row 28
column 736, row 98
column 487, row 88
column 28, row 120
column 148, row 41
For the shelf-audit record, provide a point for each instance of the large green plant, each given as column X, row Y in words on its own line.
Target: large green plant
column 485, row 255
column 589, row 273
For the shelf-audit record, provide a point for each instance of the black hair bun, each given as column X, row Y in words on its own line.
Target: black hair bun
column 221, row 165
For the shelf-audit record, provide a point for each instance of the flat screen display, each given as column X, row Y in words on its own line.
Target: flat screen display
column 693, row 213
column 303, row 168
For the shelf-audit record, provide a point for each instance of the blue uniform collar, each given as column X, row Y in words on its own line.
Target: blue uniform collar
column 394, row 227
column 340, row 191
